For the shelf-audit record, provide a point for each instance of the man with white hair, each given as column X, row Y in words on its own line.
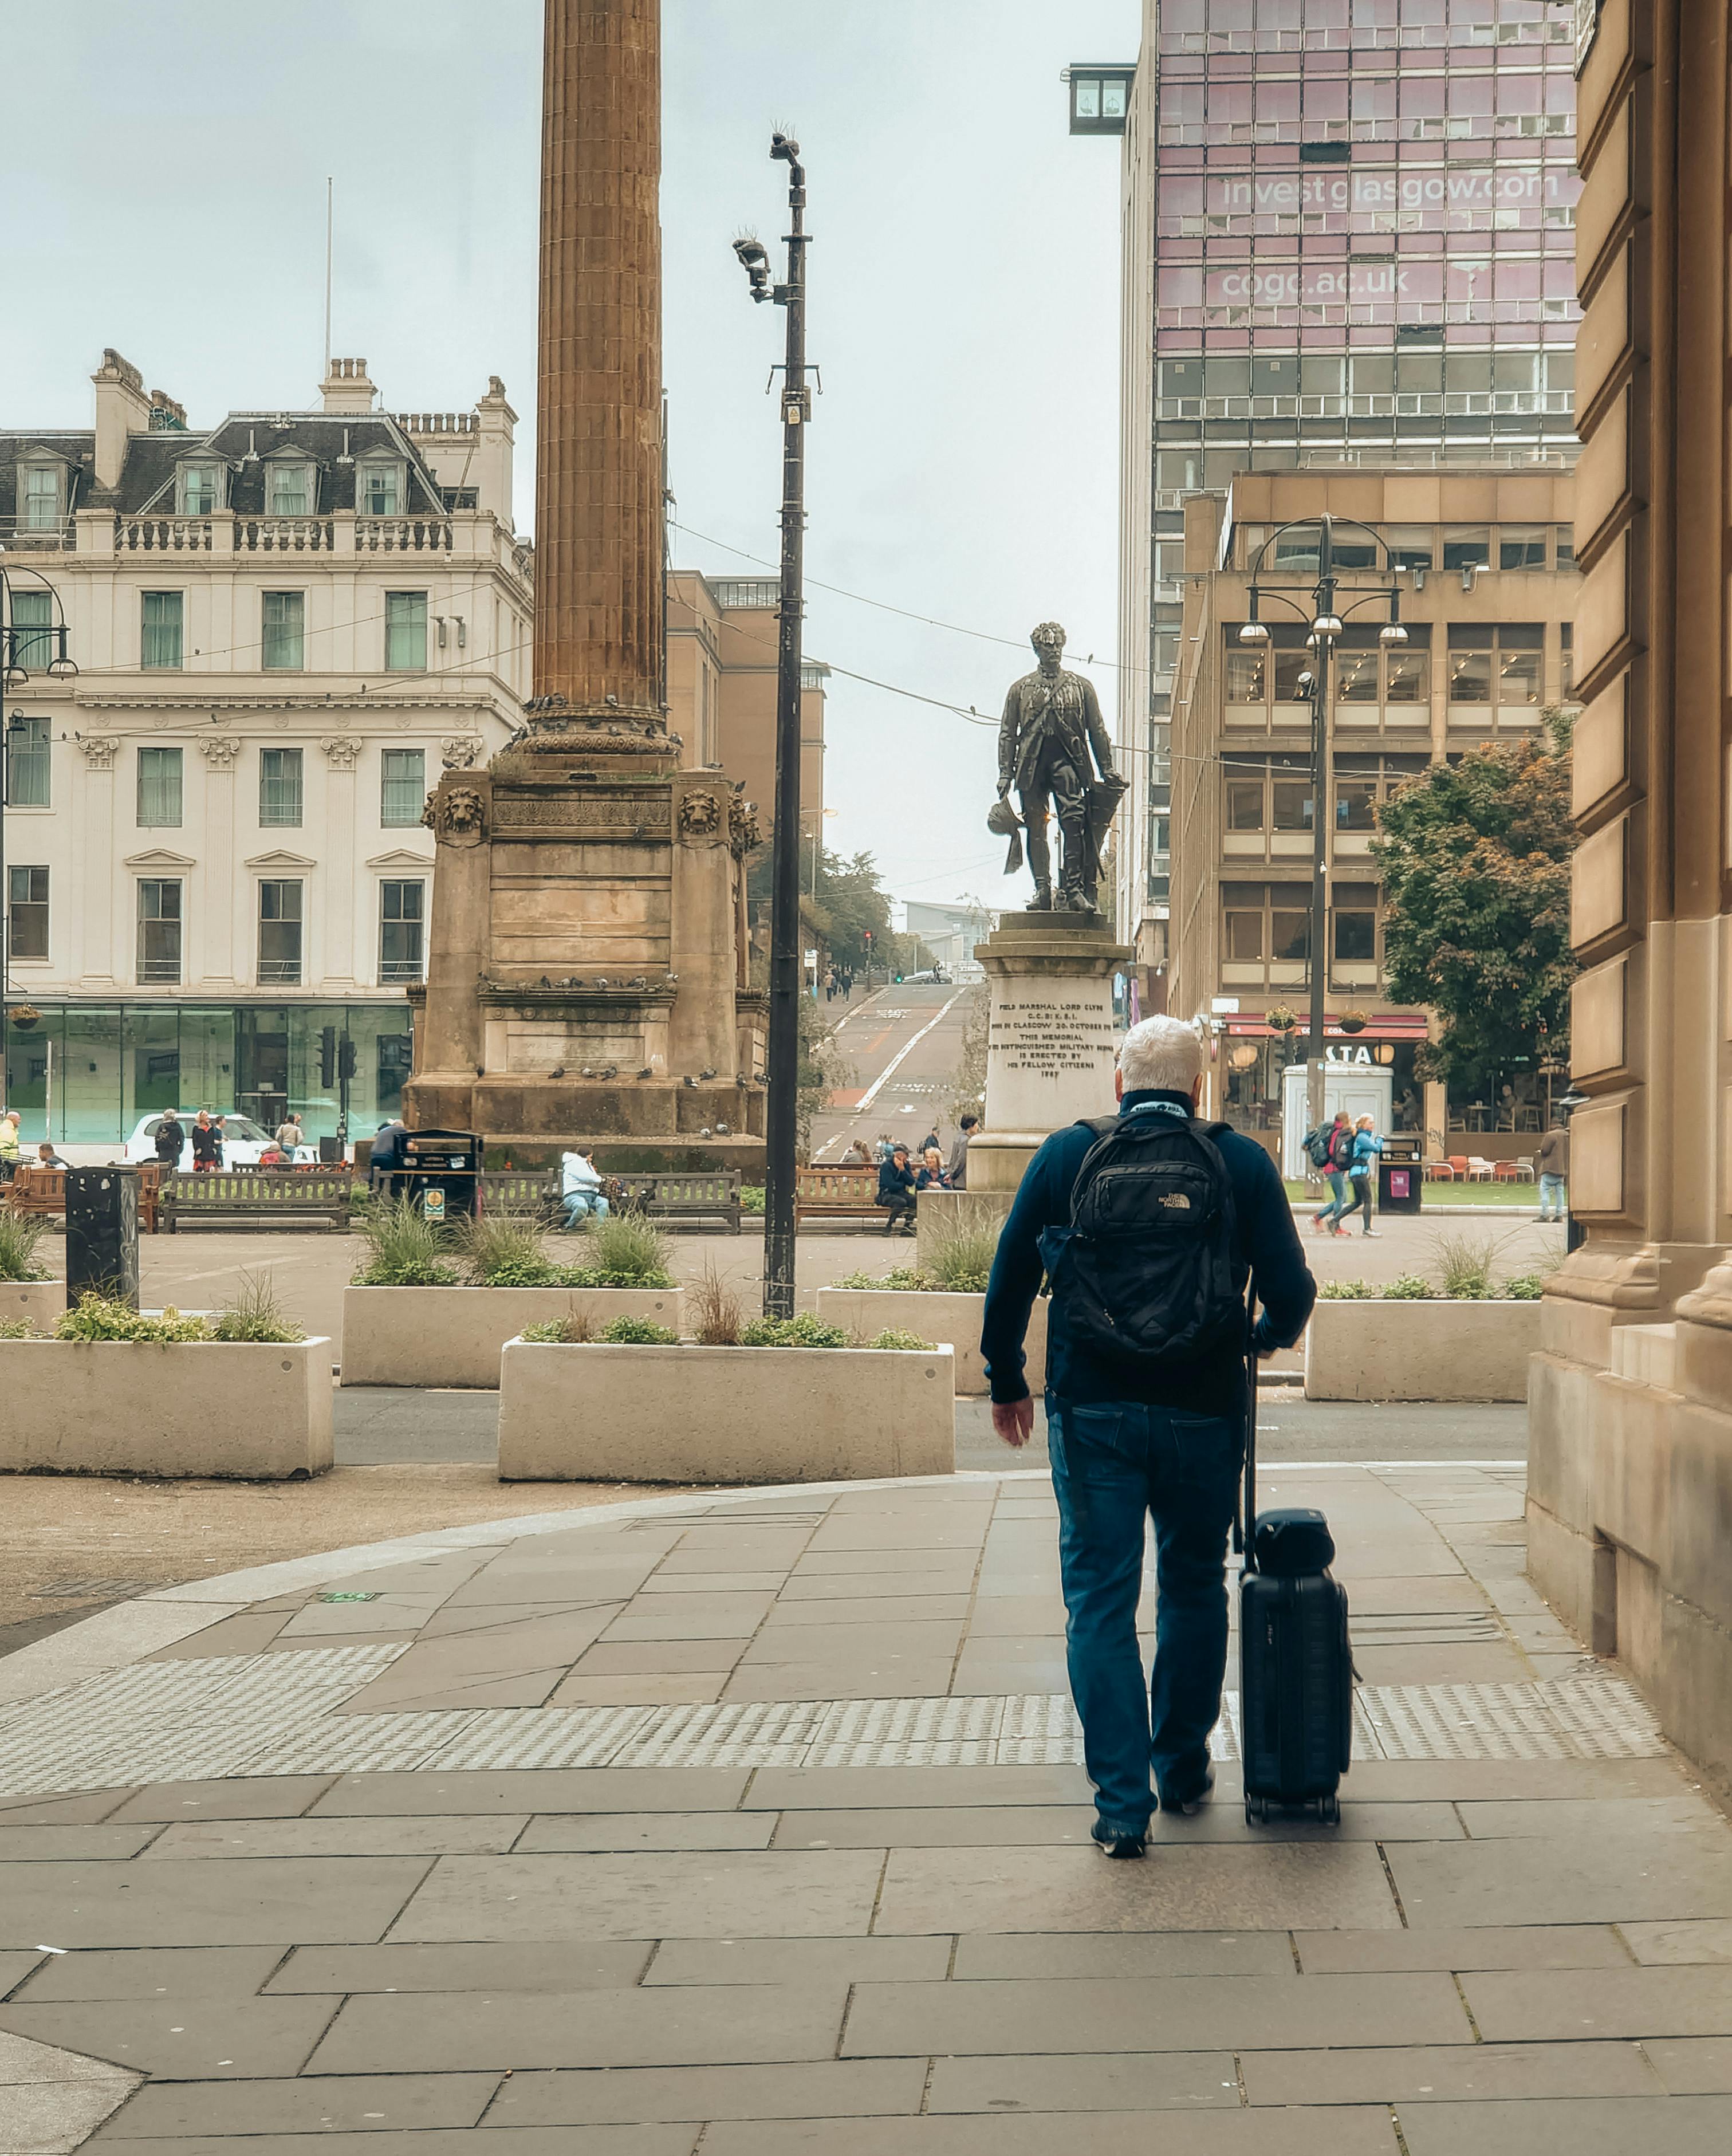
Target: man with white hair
column 1148, row 1225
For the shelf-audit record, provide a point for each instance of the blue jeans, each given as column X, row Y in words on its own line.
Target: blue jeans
column 1552, row 1206
column 1114, row 1465
column 579, row 1204
column 1338, row 1195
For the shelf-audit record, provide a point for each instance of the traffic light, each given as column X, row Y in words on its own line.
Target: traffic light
column 327, row 1056
column 345, row 1057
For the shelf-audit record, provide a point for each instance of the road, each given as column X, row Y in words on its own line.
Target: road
column 903, row 1045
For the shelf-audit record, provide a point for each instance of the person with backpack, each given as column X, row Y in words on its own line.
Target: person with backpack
column 1148, row 1224
column 1362, row 1173
column 1330, row 1147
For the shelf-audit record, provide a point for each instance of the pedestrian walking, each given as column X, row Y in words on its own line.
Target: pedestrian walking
column 169, row 1141
column 929, row 1143
column 581, row 1187
column 897, row 1183
column 289, row 1135
column 220, row 1127
column 1333, row 1143
column 206, row 1145
column 1553, row 1162
column 932, row 1174
column 1146, row 1401
column 958, row 1153
column 1362, row 1173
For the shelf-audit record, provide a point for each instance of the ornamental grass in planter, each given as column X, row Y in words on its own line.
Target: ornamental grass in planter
column 1468, row 1339
column 114, row 1390
column 439, row 1338
column 951, row 1283
column 763, row 1400
column 30, row 1295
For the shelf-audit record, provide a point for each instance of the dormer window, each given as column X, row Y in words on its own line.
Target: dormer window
column 288, row 490
column 201, row 490
column 379, row 489
column 41, row 493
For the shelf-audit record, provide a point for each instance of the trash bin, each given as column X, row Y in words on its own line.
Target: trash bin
column 441, row 1172
column 102, row 1234
column 1400, row 1172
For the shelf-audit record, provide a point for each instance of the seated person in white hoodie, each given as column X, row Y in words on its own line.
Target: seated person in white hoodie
column 581, row 1188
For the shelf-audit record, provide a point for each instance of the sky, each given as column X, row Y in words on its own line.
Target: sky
column 962, row 466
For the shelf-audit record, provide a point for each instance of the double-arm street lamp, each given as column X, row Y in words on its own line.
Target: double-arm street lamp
column 783, row 1072
column 1319, row 605
column 25, row 648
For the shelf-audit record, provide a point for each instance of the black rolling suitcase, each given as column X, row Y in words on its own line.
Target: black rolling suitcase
column 1295, row 1659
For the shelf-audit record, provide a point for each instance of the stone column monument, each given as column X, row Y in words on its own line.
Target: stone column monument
column 582, row 977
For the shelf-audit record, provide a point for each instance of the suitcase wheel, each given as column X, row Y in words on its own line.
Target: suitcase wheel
column 1257, row 1811
column 1328, row 1810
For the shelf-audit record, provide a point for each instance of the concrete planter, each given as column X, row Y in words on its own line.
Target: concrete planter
column 1386, row 1350
column 112, row 1407
column 723, row 1414
column 950, row 1320
column 40, row 1303
column 453, row 1336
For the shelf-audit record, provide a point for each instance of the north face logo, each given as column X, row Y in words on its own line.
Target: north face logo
column 1177, row 1201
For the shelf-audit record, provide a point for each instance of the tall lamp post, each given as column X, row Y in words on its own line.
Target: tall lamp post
column 783, row 1071
column 1326, row 617
column 21, row 647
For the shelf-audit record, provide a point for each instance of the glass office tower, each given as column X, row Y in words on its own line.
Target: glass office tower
column 1349, row 239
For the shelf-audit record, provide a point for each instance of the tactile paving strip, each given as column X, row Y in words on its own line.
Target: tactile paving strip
column 274, row 1713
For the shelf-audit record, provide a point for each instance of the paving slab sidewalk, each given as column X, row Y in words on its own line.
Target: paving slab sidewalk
column 755, row 1823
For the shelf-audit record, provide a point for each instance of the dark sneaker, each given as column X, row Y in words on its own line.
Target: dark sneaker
column 1119, row 1841
column 1192, row 1804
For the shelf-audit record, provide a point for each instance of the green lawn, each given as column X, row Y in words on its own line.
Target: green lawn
column 1450, row 1194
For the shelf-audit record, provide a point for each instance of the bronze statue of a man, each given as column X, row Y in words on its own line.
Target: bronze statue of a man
column 1051, row 724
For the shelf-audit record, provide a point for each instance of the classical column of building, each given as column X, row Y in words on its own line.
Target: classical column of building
column 599, row 477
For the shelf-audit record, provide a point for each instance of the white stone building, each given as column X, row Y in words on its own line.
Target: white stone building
column 284, row 627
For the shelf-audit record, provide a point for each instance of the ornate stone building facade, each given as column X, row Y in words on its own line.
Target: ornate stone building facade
column 1630, row 1474
column 285, row 626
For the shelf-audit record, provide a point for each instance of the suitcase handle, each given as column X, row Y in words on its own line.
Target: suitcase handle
column 1245, row 1531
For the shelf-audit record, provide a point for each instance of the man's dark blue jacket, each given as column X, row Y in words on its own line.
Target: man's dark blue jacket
column 1265, row 1237
column 893, row 1183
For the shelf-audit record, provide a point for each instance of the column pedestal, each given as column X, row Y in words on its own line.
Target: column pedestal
column 1052, row 1040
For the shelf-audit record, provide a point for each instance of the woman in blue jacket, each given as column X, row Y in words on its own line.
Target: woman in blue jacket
column 1367, row 1146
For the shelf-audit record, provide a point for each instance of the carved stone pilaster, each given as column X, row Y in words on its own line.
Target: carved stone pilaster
column 99, row 751
column 219, row 752
column 341, row 754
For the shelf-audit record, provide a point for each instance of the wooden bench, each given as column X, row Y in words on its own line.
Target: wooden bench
column 41, row 1192
column 702, row 1194
column 523, row 1190
column 257, row 1197
column 837, row 1193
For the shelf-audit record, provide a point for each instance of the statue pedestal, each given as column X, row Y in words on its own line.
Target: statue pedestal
column 1052, row 1039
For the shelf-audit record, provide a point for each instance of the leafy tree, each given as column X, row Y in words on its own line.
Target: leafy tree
column 1474, row 857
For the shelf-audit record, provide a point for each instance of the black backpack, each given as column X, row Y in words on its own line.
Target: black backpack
column 1317, row 1144
column 1340, row 1152
column 1143, row 1277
